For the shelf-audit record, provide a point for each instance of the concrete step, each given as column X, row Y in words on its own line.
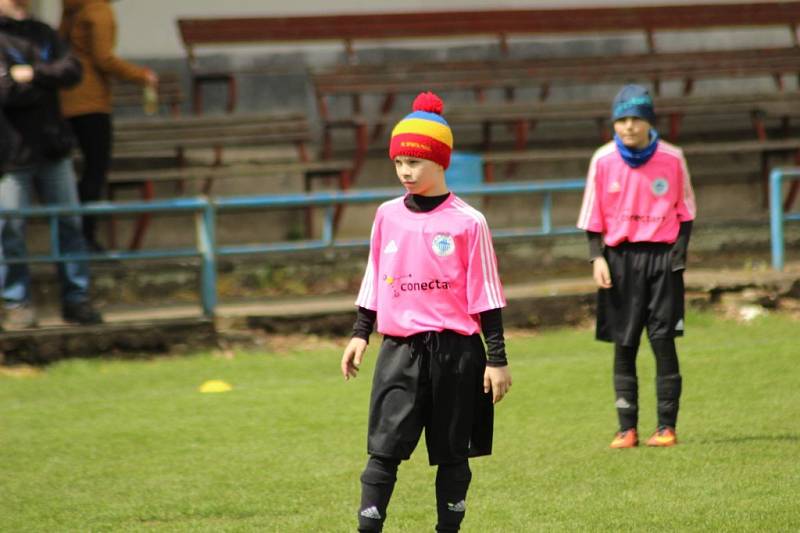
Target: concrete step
column 132, row 331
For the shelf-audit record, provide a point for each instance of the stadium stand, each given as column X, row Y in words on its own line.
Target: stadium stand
column 128, row 96
column 169, row 140
column 502, row 24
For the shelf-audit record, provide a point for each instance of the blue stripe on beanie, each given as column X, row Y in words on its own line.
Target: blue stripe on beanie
column 633, row 101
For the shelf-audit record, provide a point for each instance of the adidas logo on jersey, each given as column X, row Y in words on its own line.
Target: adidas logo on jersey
column 371, row 512
column 390, row 248
column 459, row 507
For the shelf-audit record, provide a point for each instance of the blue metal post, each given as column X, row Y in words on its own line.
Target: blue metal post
column 547, row 216
column 327, row 225
column 206, row 245
column 55, row 247
column 776, row 217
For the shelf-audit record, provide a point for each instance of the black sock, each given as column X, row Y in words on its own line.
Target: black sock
column 626, row 386
column 668, row 394
column 666, row 356
column 668, row 381
column 377, row 484
column 452, row 482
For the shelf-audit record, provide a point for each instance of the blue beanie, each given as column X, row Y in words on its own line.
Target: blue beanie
column 633, row 101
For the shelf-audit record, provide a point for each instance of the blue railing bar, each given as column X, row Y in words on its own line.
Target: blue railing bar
column 375, row 195
column 776, row 215
column 288, row 246
column 509, row 233
column 110, row 256
column 105, row 208
column 288, row 200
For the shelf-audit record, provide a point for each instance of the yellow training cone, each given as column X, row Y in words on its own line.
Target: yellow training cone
column 215, row 385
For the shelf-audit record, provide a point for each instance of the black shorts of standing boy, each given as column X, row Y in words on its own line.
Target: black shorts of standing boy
column 645, row 292
column 432, row 381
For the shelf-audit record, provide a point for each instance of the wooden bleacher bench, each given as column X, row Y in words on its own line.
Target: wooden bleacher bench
column 523, row 117
column 501, row 23
column 479, row 77
column 178, row 139
column 127, row 96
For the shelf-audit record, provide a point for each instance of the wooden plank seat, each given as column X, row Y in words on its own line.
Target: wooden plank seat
column 138, row 141
column 501, row 24
column 524, row 116
column 479, row 77
column 127, row 96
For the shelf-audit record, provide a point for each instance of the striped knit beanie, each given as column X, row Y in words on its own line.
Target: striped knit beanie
column 423, row 133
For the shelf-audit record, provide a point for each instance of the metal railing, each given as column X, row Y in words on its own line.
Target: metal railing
column 206, row 210
column 777, row 214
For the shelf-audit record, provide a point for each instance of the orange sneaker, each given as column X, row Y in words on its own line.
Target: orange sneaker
column 663, row 437
column 625, row 439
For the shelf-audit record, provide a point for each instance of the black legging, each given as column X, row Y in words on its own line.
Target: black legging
column 94, row 133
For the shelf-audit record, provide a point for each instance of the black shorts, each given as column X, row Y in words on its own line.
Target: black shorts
column 645, row 292
column 432, row 381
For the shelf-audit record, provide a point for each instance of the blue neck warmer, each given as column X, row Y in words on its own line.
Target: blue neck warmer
column 636, row 158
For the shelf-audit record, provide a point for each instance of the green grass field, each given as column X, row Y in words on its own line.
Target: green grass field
column 98, row 445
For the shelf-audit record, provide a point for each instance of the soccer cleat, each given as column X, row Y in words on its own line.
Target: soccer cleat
column 663, row 437
column 625, row 439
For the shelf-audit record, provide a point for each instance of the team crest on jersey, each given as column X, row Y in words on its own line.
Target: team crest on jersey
column 443, row 244
column 660, row 186
column 614, row 187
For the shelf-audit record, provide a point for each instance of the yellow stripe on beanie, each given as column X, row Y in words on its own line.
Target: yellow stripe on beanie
column 419, row 126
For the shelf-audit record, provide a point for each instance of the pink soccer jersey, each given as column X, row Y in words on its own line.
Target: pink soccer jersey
column 430, row 271
column 644, row 204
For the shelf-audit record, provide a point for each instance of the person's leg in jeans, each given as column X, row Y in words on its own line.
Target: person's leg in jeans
column 93, row 132
column 15, row 193
column 55, row 183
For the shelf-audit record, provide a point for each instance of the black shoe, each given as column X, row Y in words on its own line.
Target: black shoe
column 81, row 313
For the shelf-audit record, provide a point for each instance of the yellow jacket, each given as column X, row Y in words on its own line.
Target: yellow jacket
column 91, row 31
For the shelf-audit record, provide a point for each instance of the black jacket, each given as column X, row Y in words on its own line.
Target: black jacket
column 8, row 137
column 33, row 109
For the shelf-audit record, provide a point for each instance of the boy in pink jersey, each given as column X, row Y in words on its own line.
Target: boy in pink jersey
column 432, row 285
column 637, row 210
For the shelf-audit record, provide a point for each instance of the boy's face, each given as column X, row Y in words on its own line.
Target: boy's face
column 633, row 131
column 420, row 176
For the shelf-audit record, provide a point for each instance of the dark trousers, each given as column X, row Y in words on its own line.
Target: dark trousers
column 94, row 133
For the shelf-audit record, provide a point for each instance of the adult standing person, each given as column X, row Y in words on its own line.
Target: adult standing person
column 39, row 162
column 89, row 27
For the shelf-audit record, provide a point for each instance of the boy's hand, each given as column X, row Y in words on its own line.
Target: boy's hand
column 352, row 356
column 601, row 273
column 498, row 380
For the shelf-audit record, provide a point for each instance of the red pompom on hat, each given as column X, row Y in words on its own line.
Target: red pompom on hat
column 424, row 133
column 429, row 102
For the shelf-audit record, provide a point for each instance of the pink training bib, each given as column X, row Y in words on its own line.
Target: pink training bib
column 430, row 271
column 644, row 204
